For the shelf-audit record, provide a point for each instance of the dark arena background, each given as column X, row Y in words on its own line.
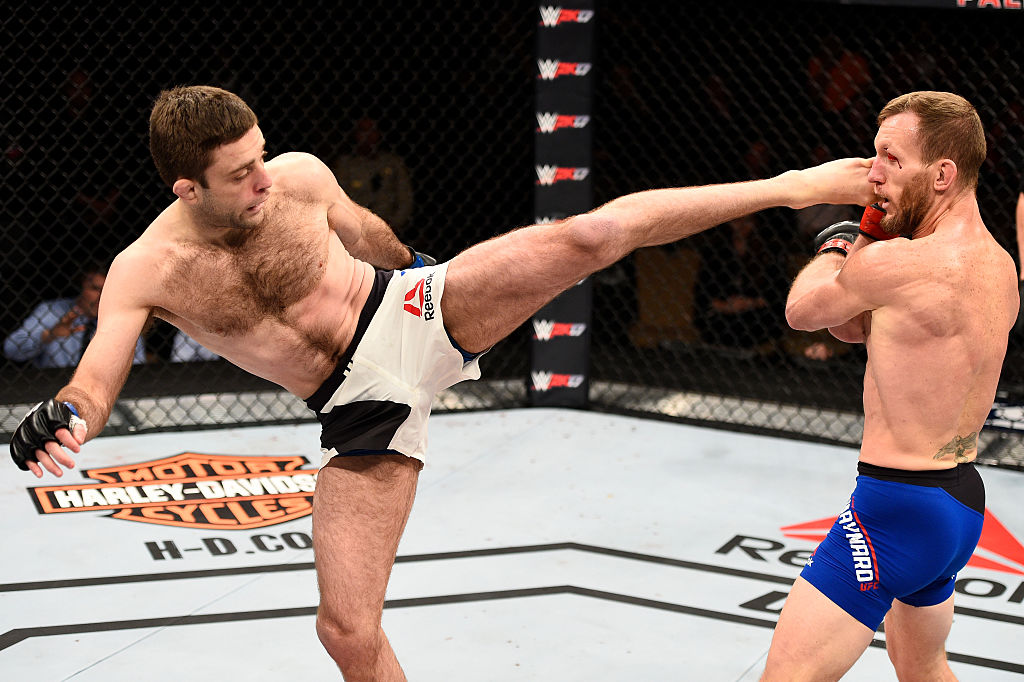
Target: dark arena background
column 668, row 94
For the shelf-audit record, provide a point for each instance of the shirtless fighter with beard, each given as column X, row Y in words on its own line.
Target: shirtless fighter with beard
column 934, row 312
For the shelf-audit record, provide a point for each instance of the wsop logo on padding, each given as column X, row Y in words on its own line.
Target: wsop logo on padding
column 192, row 490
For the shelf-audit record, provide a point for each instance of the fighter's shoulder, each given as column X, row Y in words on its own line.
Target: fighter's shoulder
column 883, row 256
column 880, row 269
column 140, row 264
column 293, row 170
column 1001, row 265
column 134, row 260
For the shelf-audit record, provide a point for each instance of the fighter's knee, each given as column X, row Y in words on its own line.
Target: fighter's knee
column 788, row 661
column 349, row 644
column 921, row 668
column 595, row 237
column 781, row 665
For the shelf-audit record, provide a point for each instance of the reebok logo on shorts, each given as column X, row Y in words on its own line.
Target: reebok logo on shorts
column 419, row 300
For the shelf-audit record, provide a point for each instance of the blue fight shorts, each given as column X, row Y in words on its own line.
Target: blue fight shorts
column 904, row 535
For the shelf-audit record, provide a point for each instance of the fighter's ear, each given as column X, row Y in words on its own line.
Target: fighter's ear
column 185, row 189
column 945, row 175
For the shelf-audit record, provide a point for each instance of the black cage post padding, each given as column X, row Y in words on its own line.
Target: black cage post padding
column 560, row 345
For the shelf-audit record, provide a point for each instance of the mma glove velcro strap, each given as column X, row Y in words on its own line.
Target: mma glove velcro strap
column 420, row 260
column 838, row 237
column 39, row 426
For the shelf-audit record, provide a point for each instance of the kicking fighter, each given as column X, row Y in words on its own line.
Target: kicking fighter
column 269, row 266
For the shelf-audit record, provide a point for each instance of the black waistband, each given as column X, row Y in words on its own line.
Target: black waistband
column 932, row 477
column 320, row 397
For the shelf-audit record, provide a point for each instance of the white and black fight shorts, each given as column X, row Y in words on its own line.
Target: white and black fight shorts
column 378, row 398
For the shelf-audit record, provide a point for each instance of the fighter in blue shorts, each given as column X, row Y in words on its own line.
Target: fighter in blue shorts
column 932, row 296
column 903, row 535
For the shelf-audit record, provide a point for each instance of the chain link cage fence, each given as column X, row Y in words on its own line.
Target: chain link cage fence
column 740, row 90
column 684, row 94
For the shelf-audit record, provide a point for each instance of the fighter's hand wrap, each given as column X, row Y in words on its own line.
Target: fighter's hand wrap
column 870, row 223
column 420, row 259
column 838, row 237
column 39, row 426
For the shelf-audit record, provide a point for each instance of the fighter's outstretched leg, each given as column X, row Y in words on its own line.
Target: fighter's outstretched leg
column 493, row 287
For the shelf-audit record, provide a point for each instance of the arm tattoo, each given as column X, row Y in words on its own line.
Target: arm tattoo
column 958, row 447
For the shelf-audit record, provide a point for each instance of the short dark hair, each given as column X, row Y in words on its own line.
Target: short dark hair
column 187, row 123
column 950, row 129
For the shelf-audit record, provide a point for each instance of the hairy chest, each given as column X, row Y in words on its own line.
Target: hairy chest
column 228, row 290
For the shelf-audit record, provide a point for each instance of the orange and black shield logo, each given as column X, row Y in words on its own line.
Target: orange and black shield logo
column 192, row 490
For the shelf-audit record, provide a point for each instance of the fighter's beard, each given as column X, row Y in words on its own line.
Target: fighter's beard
column 913, row 207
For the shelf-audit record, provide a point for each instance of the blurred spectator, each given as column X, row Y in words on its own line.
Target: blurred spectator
column 819, row 351
column 838, row 75
column 94, row 178
column 813, row 349
column 735, row 157
column 187, row 349
column 741, row 289
column 917, row 65
column 56, row 333
column 375, row 178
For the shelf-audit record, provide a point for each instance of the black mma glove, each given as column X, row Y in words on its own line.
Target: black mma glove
column 39, row 427
column 838, row 237
column 420, row 259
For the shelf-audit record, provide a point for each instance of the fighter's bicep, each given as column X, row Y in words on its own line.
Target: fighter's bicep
column 869, row 280
column 124, row 311
column 346, row 218
column 840, row 300
column 822, row 297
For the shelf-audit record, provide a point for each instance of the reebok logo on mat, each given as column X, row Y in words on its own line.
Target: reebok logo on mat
column 998, row 549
